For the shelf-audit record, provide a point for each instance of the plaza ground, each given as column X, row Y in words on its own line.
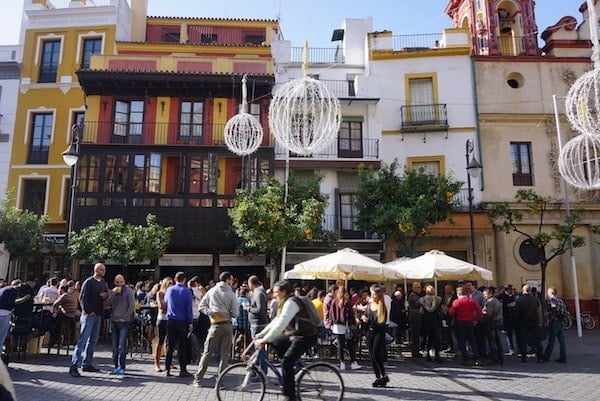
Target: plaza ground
column 45, row 377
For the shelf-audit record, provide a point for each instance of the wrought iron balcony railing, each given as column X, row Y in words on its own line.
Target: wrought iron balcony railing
column 151, row 133
column 318, row 55
column 339, row 149
column 424, row 115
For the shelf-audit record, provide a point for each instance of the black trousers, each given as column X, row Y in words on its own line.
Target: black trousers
column 289, row 350
column 177, row 331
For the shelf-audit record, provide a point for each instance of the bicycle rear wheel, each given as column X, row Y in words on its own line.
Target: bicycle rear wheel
column 588, row 322
column 320, row 381
column 241, row 382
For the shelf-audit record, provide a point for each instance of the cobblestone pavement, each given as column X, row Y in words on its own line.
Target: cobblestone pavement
column 45, row 377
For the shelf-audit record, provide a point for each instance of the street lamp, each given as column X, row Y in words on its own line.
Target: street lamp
column 71, row 157
column 473, row 170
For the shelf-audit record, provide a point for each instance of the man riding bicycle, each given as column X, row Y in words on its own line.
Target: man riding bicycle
column 291, row 334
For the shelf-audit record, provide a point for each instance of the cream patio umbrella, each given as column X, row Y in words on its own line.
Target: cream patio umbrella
column 437, row 265
column 345, row 264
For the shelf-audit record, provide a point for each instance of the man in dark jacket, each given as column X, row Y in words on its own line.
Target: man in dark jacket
column 527, row 322
column 257, row 310
column 94, row 292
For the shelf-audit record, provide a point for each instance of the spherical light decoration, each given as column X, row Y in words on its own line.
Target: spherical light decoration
column 579, row 161
column 583, row 102
column 304, row 116
column 243, row 134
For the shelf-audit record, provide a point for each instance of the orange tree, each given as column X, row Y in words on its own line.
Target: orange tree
column 401, row 208
column 265, row 224
column 542, row 245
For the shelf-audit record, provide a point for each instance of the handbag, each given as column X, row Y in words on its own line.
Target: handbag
column 194, row 349
column 351, row 332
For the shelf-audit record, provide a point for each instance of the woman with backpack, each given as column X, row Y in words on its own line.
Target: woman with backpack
column 343, row 325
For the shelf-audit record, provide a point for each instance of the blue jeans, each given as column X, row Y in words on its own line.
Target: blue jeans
column 556, row 330
column 263, row 352
column 4, row 329
column 464, row 332
column 120, row 331
column 88, row 337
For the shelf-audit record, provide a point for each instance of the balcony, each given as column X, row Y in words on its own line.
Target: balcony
column 151, row 133
column 318, row 55
column 412, row 43
column 200, row 221
column 424, row 117
column 365, row 149
column 512, row 45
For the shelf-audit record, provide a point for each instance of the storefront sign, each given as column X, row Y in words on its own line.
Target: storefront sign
column 190, row 259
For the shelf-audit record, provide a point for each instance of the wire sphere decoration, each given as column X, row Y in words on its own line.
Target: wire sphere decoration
column 243, row 133
column 579, row 161
column 583, row 102
column 304, row 116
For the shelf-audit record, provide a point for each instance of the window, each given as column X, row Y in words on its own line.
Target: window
column 50, row 59
column 208, row 38
column 41, row 134
column 89, row 173
column 203, row 175
column 349, row 216
column 254, row 39
column 255, row 110
column 350, row 139
column 34, row 196
column 90, row 46
column 128, row 121
column 116, row 173
column 172, row 37
column 259, row 172
column 520, row 156
column 428, row 164
column 146, row 173
column 191, row 118
column 421, row 100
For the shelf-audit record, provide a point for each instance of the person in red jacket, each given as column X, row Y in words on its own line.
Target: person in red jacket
column 467, row 313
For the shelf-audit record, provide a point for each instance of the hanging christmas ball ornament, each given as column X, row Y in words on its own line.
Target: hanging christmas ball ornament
column 579, row 161
column 243, row 132
column 583, row 102
column 304, row 116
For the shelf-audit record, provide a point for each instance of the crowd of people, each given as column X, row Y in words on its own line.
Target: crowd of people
column 227, row 316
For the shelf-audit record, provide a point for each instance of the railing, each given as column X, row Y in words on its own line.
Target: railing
column 416, row 42
column 48, row 74
column 318, row 55
column 50, row 4
column 512, row 45
column 424, row 114
column 340, row 88
column 38, row 155
column 151, row 133
column 369, row 149
column 462, row 200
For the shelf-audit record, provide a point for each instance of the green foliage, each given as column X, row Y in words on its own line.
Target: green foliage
column 265, row 224
column 22, row 231
column 548, row 244
column 403, row 207
column 116, row 240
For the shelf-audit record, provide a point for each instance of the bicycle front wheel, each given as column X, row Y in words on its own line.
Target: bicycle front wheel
column 241, row 382
column 320, row 381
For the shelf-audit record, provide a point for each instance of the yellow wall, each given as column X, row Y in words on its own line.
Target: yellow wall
column 62, row 98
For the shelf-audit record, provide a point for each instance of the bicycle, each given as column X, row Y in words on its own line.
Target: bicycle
column 587, row 321
column 246, row 381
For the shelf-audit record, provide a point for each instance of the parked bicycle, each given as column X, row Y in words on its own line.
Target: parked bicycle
column 587, row 321
column 246, row 381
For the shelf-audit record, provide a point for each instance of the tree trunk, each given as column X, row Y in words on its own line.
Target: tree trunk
column 543, row 266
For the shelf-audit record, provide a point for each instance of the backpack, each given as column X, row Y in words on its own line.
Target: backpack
column 312, row 320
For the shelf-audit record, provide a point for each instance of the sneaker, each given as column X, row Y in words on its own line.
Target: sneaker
column 114, row 371
column 120, row 371
column 73, row 371
column 342, row 366
column 477, row 363
column 355, row 366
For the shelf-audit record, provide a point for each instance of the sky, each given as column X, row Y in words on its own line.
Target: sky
column 312, row 20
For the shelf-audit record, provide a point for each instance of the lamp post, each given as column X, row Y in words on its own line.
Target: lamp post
column 473, row 170
column 71, row 157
